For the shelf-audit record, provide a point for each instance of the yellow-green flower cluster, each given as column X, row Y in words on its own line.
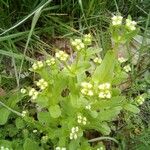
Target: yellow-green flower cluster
column 4, row 148
column 104, row 90
column 23, row 91
column 122, row 59
column 37, row 65
column 42, row 84
column 97, row 60
column 74, row 133
column 33, row 93
column 88, row 107
column 62, row 55
column 78, row 44
column 23, row 114
column 60, row 148
column 51, row 61
column 101, row 148
column 116, row 20
column 127, row 68
column 87, row 39
column 81, row 120
column 140, row 100
column 87, row 89
column 130, row 24
column 44, row 139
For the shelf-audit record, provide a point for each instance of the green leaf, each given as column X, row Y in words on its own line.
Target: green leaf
column 42, row 100
column 5, row 143
column 104, row 128
column 44, row 118
column 109, row 104
column 75, row 101
column 4, row 115
column 30, row 145
column 73, row 145
column 104, row 72
column 19, row 123
column 131, row 108
column 55, row 111
column 11, row 102
column 109, row 115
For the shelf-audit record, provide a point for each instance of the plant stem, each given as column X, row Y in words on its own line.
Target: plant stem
column 10, row 109
column 103, row 138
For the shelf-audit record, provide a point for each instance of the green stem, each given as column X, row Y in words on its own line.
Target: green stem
column 10, row 109
column 103, row 138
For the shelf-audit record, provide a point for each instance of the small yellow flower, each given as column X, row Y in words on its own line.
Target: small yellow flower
column 74, row 133
column 24, row 113
column 33, row 93
column 122, row 59
column 104, row 90
column 51, row 61
column 62, row 55
column 104, row 86
column 88, row 107
column 140, row 100
column 81, row 120
column 78, row 44
column 23, row 91
column 131, row 24
column 87, row 89
column 37, row 65
column 42, row 84
column 127, row 68
column 87, row 39
column 86, row 85
column 116, row 20
column 97, row 60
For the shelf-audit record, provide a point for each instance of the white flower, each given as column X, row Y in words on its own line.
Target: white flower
column 37, row 65
column 88, row 107
column 127, row 68
column 86, row 85
column 44, row 139
column 81, row 120
column 122, row 59
column 90, row 93
column 33, row 93
column 87, row 88
column 74, row 132
column 101, row 148
column 51, row 61
column 107, row 94
column 104, row 86
column 87, row 39
column 42, row 84
column 101, row 95
column 78, row 44
column 23, row 114
column 34, row 131
column 97, row 60
column 84, row 120
column 104, row 90
column 131, row 24
column 60, row 148
column 116, row 20
column 140, row 100
column 62, row 55
column 23, row 91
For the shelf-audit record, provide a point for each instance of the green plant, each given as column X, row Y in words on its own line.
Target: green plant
column 78, row 95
